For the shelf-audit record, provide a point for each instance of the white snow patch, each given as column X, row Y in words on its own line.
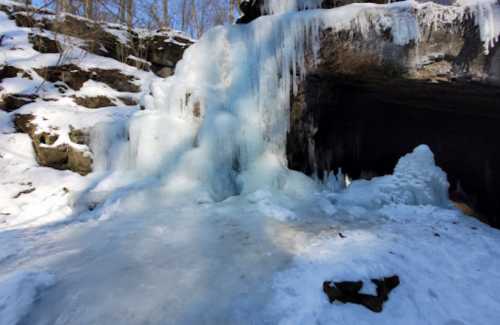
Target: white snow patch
column 18, row 292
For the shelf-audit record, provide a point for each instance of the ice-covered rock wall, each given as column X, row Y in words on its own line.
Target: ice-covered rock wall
column 219, row 125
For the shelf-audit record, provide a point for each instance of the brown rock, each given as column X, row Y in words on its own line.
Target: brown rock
column 115, row 79
column 9, row 71
column 75, row 77
column 44, row 44
column 24, row 123
column 94, row 102
column 79, row 136
column 62, row 157
column 79, row 161
column 10, row 102
column 348, row 292
column 70, row 74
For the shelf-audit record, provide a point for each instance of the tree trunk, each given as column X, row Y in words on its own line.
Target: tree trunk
column 130, row 13
column 123, row 11
column 232, row 4
column 166, row 16
column 89, row 9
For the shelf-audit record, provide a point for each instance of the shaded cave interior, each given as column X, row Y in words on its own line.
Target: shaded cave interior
column 365, row 125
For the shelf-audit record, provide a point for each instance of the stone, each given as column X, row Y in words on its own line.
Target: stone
column 70, row 74
column 44, row 44
column 63, row 156
column 94, row 102
column 8, row 71
column 10, row 102
column 79, row 136
column 164, row 72
column 24, row 123
column 75, row 77
column 348, row 292
column 115, row 79
column 79, row 161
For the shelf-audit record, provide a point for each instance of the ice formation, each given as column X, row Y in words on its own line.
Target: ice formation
column 486, row 14
column 218, row 126
column 280, row 6
column 416, row 181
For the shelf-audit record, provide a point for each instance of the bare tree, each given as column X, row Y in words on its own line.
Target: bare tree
column 166, row 15
column 89, row 9
column 122, row 11
column 130, row 13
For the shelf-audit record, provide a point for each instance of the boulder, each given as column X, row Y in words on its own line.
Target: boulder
column 44, row 44
column 64, row 156
column 8, row 71
column 12, row 102
column 94, row 102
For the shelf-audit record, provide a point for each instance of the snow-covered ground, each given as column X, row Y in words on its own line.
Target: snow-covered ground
column 254, row 259
column 191, row 217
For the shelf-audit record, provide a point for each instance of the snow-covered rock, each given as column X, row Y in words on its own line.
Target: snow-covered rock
column 54, row 68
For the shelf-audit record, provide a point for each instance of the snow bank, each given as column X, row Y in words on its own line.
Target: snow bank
column 416, row 181
column 18, row 292
column 445, row 268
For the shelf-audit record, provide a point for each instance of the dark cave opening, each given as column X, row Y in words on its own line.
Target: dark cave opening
column 365, row 125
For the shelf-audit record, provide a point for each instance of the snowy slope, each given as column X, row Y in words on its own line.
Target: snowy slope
column 191, row 215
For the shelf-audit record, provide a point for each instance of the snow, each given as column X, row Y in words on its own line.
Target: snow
column 191, row 215
column 5, row 123
column 450, row 279
column 416, row 181
column 18, row 292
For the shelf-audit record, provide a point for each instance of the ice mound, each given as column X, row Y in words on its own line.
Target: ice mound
column 18, row 292
column 416, row 181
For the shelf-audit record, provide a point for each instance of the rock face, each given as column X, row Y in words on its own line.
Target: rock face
column 370, row 101
column 159, row 51
column 63, row 156
column 75, row 77
column 69, row 85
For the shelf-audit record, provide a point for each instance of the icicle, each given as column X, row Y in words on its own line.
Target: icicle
column 219, row 125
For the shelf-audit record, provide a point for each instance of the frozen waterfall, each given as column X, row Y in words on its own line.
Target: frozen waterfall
column 218, row 126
